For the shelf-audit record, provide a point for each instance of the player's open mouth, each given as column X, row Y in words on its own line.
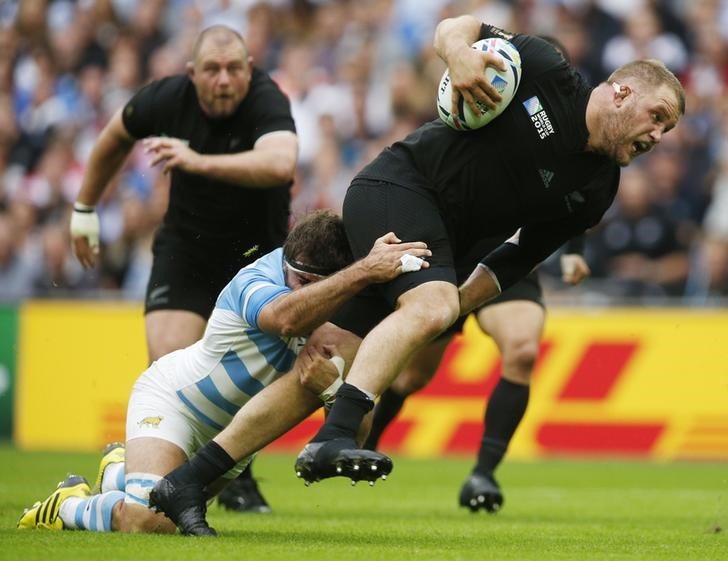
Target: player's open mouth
column 639, row 147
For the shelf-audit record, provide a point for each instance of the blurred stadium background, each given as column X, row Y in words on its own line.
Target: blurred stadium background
column 633, row 362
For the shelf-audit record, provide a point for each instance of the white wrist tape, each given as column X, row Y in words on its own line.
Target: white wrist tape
column 85, row 224
column 410, row 263
column 330, row 393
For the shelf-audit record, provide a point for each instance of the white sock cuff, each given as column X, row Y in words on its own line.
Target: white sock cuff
column 137, row 487
column 114, row 478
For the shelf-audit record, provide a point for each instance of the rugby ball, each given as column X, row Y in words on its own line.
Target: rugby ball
column 506, row 83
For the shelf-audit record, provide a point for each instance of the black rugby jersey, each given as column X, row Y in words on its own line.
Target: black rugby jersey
column 202, row 207
column 526, row 169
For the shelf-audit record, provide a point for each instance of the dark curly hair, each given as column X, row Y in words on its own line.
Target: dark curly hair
column 318, row 239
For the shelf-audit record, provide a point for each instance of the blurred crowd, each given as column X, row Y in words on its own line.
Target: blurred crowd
column 359, row 74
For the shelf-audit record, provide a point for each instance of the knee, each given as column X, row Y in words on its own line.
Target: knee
column 137, row 519
column 411, row 380
column 435, row 318
column 519, row 358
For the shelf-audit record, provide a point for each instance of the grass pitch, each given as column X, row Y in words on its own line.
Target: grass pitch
column 555, row 510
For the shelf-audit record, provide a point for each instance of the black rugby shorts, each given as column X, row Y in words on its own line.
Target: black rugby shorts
column 373, row 208
column 189, row 273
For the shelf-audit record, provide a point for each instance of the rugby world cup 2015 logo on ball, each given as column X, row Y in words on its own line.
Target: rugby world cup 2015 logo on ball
column 505, row 83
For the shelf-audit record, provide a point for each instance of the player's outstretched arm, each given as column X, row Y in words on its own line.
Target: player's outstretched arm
column 271, row 162
column 107, row 157
column 453, row 38
column 299, row 312
column 481, row 286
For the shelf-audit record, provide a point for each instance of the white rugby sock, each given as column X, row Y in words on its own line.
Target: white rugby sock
column 92, row 514
column 113, row 478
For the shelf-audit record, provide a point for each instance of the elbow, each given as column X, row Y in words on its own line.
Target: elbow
column 289, row 324
column 440, row 31
column 291, row 329
column 282, row 168
column 284, row 172
column 449, row 26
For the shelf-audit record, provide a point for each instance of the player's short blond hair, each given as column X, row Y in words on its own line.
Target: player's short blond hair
column 221, row 34
column 652, row 73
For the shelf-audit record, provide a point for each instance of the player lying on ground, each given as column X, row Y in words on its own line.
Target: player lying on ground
column 184, row 399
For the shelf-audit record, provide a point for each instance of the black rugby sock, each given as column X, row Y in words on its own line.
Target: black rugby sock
column 387, row 408
column 210, row 463
column 506, row 407
column 247, row 473
column 346, row 414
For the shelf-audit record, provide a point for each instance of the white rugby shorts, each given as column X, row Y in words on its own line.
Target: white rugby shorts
column 155, row 411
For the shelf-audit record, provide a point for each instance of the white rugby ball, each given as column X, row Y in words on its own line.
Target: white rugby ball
column 506, row 83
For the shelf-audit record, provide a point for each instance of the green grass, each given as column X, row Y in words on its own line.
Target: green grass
column 555, row 510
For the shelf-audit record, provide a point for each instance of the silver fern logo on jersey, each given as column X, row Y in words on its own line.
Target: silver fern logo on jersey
column 539, row 118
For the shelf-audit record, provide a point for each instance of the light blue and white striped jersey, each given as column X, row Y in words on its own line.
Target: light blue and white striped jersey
column 235, row 359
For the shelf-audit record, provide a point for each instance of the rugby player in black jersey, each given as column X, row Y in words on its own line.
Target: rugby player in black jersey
column 543, row 172
column 515, row 321
column 225, row 134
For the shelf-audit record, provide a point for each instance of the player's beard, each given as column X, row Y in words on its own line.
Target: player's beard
column 220, row 108
column 616, row 143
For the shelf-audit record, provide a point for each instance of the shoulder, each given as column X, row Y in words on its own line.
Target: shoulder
column 157, row 103
column 261, row 84
column 255, row 285
column 538, row 55
column 165, row 89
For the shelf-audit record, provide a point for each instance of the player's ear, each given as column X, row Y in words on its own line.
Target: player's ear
column 190, row 68
column 621, row 92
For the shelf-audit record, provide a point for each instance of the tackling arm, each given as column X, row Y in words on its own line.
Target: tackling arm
column 299, row 312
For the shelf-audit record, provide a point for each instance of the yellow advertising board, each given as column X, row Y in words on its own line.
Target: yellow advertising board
column 643, row 382
column 76, row 366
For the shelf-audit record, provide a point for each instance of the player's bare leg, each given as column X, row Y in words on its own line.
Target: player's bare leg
column 151, row 457
column 268, row 415
column 169, row 330
column 422, row 314
column 416, row 375
column 516, row 327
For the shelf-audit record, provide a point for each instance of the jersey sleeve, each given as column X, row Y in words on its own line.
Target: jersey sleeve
column 141, row 112
column 248, row 293
column 271, row 110
column 533, row 243
column 257, row 297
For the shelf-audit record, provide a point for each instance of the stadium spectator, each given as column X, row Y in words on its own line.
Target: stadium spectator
column 637, row 242
column 644, row 38
column 16, row 271
column 565, row 172
column 56, row 273
column 182, row 401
